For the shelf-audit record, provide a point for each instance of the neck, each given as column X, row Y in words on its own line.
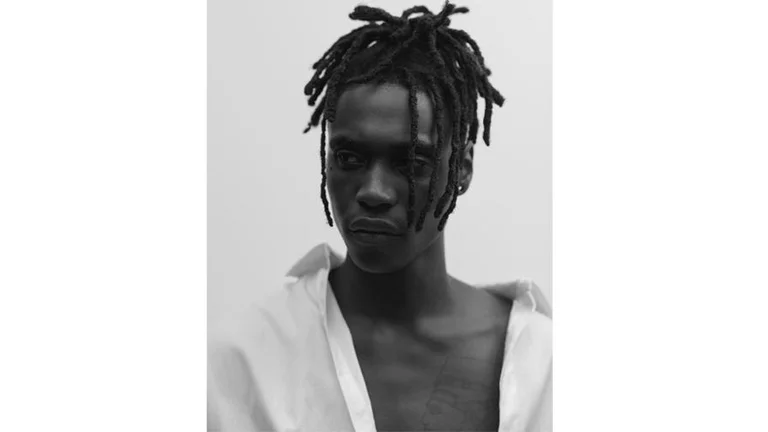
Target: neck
column 420, row 289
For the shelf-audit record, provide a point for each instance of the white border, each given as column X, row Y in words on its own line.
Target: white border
column 660, row 215
column 103, row 192
column 659, row 257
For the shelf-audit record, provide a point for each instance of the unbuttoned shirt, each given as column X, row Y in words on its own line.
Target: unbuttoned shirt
column 289, row 364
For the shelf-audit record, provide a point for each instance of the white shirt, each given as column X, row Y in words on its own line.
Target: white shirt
column 289, row 363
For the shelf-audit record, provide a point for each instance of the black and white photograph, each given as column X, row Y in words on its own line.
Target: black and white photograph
column 380, row 217
column 360, row 216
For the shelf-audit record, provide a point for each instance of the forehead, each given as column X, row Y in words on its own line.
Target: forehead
column 380, row 114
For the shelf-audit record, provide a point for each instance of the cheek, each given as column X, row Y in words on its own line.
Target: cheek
column 440, row 183
column 335, row 184
column 342, row 189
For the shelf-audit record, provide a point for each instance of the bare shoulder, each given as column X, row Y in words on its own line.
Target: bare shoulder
column 481, row 303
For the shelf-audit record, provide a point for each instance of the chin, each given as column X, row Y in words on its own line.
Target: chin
column 376, row 260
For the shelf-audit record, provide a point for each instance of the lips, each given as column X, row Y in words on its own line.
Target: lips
column 374, row 226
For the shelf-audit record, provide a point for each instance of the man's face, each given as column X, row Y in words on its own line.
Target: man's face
column 368, row 175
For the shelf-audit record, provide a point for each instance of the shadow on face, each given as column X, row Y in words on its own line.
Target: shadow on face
column 367, row 175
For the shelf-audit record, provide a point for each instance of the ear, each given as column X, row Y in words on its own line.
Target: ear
column 466, row 164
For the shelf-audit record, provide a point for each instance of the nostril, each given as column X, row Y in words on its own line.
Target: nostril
column 375, row 198
column 378, row 206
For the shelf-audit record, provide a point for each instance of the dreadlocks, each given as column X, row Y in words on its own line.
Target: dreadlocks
column 422, row 54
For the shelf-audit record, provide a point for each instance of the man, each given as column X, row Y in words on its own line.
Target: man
column 384, row 338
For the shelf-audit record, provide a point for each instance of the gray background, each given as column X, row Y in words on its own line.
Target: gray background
column 264, row 208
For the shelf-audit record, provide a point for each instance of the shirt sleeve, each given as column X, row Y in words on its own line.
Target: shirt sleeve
column 235, row 403
column 541, row 421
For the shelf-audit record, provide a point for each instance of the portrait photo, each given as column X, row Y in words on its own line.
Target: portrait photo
column 361, row 215
column 380, row 216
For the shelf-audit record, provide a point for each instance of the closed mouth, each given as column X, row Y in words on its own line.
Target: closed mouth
column 373, row 238
column 374, row 226
column 374, row 233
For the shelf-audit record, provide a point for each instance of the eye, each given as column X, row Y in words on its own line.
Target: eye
column 422, row 167
column 347, row 159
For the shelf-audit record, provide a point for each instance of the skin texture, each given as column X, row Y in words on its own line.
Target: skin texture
column 441, row 374
column 430, row 346
column 367, row 165
column 408, row 274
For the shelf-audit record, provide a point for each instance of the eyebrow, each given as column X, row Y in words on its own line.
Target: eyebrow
column 422, row 147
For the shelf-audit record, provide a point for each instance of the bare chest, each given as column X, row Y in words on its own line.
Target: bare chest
column 428, row 385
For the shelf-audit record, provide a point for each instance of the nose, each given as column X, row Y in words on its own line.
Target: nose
column 377, row 192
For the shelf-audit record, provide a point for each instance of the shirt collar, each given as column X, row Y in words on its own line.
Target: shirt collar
column 523, row 291
column 321, row 257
